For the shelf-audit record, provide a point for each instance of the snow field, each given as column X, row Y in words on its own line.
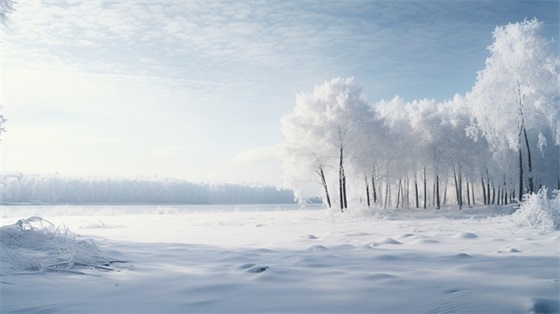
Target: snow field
column 301, row 261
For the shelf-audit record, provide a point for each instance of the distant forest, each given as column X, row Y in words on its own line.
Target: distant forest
column 55, row 189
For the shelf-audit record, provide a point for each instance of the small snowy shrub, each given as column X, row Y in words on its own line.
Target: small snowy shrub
column 34, row 245
column 539, row 212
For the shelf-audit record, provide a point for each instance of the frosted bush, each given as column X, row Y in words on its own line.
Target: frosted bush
column 539, row 212
column 35, row 245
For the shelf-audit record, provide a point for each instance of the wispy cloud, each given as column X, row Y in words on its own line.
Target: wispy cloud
column 263, row 153
column 177, row 150
column 236, row 44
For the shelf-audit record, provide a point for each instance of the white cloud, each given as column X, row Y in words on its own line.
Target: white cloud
column 257, row 154
column 176, row 150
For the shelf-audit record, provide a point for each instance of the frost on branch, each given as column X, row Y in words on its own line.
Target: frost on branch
column 34, row 245
column 539, row 212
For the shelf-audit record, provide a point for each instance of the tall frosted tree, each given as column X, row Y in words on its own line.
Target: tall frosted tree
column 515, row 101
column 6, row 8
column 322, row 134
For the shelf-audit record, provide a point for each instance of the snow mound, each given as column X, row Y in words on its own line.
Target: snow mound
column 539, row 212
column 35, row 245
column 316, row 248
column 384, row 241
column 309, row 237
column 508, row 249
column 466, row 235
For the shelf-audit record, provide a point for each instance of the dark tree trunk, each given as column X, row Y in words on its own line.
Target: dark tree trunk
column 468, row 194
column 341, row 182
column 344, row 189
column 325, row 187
column 425, row 189
column 340, row 196
column 367, row 191
column 458, row 188
column 488, row 191
column 437, row 192
column 483, row 190
column 416, row 189
column 520, row 175
column 531, row 186
column 373, row 186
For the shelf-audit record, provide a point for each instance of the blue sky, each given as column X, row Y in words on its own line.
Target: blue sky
column 195, row 89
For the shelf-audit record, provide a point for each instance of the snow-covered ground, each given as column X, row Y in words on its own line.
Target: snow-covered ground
column 200, row 261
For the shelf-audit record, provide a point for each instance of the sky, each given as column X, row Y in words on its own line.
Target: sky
column 195, row 90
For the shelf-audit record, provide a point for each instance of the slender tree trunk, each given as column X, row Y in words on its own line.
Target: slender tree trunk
column 483, row 190
column 407, row 192
column 457, row 192
column 531, row 186
column 437, row 192
column 425, row 188
column 367, row 191
column 468, row 195
column 434, row 193
column 445, row 196
column 520, row 175
column 387, row 188
column 456, row 185
column 325, row 187
column 460, row 178
column 344, row 190
column 398, row 193
column 472, row 193
column 499, row 195
column 373, row 186
column 493, row 194
column 416, row 188
column 340, row 191
column 386, row 194
column 488, row 191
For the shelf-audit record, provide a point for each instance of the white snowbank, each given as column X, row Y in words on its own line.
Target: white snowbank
column 305, row 261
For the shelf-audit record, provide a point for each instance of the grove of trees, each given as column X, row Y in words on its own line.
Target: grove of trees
column 491, row 146
column 54, row 189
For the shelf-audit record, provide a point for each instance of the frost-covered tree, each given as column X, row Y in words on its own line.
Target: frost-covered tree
column 516, row 99
column 322, row 134
column 6, row 8
column 503, row 135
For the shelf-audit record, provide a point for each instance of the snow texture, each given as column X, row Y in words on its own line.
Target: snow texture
column 289, row 260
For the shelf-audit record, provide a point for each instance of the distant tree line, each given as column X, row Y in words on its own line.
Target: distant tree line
column 491, row 146
column 55, row 189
